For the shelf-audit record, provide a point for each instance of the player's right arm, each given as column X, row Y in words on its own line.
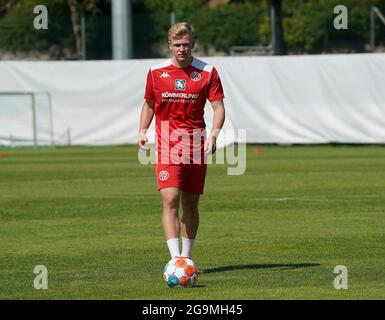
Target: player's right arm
column 146, row 116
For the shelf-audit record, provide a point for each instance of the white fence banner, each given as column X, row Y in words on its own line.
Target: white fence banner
column 285, row 99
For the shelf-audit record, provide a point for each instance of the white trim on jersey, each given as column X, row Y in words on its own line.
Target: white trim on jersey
column 161, row 65
column 199, row 64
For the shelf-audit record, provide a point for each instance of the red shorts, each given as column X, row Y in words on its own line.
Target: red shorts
column 187, row 177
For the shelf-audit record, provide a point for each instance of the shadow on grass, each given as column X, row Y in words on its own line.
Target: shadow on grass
column 197, row 286
column 260, row 266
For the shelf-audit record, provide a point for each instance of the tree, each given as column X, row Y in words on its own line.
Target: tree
column 6, row 6
column 76, row 26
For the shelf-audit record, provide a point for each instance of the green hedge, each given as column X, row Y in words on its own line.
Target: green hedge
column 308, row 26
column 231, row 25
column 18, row 34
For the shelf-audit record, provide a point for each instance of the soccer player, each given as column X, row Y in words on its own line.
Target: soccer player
column 176, row 92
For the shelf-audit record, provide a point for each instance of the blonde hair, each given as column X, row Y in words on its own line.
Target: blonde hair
column 180, row 29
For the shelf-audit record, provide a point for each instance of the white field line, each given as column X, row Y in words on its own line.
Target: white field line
column 353, row 198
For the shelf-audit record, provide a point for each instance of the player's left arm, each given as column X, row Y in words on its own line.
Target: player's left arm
column 218, row 120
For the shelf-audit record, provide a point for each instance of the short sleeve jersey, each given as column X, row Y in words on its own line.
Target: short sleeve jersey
column 180, row 94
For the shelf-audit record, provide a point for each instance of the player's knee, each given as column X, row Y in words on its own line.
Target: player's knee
column 190, row 205
column 170, row 201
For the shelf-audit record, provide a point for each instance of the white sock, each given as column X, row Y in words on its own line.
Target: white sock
column 187, row 245
column 173, row 247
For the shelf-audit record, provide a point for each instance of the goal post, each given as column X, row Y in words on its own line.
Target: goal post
column 26, row 119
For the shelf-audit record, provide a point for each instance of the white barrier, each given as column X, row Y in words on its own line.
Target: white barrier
column 290, row 99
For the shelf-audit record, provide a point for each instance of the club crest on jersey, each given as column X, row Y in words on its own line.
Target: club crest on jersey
column 195, row 76
column 163, row 175
column 180, row 84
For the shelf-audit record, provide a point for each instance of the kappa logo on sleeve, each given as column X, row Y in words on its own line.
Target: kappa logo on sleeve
column 180, row 84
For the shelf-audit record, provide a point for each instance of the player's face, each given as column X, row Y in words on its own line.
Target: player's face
column 181, row 48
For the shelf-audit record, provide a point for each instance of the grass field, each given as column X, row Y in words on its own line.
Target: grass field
column 92, row 216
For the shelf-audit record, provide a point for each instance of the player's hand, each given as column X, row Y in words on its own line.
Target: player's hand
column 142, row 139
column 210, row 145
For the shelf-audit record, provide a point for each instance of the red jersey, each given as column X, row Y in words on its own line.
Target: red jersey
column 180, row 95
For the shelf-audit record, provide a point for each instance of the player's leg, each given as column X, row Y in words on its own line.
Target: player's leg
column 192, row 187
column 170, row 219
column 190, row 221
column 169, row 181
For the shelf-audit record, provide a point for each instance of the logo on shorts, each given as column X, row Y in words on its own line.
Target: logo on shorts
column 163, row 175
column 195, row 76
column 180, row 84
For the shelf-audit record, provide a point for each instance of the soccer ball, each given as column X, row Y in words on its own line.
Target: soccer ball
column 180, row 271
